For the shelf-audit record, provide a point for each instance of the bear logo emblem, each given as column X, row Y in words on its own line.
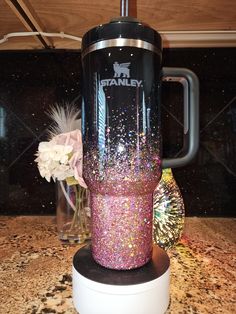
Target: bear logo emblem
column 121, row 68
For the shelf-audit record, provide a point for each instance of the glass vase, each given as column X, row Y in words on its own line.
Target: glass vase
column 73, row 215
column 168, row 211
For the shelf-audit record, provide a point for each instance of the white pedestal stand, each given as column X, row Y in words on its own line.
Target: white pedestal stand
column 97, row 290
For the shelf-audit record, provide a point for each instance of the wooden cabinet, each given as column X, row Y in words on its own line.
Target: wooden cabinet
column 184, row 23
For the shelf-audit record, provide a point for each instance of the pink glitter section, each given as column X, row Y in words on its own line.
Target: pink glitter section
column 122, row 230
column 122, row 206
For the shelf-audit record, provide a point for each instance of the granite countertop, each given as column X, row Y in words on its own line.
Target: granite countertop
column 35, row 267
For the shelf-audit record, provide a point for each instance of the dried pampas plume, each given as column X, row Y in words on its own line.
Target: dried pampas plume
column 65, row 119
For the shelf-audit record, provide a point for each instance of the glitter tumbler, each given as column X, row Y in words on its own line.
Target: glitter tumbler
column 122, row 76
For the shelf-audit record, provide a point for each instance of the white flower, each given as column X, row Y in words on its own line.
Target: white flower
column 53, row 160
column 52, row 151
column 44, row 172
column 62, row 157
column 62, row 172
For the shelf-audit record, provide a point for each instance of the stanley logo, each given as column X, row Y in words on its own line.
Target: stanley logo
column 121, row 68
column 121, row 76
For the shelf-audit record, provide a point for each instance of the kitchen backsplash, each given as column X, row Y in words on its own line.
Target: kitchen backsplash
column 30, row 82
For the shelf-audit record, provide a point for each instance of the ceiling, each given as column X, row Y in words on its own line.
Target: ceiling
column 183, row 23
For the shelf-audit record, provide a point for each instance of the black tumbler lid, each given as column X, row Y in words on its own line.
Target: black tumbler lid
column 122, row 27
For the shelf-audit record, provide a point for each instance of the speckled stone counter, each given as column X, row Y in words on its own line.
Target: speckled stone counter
column 35, row 268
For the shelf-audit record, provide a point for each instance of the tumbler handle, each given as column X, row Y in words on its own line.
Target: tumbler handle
column 190, row 84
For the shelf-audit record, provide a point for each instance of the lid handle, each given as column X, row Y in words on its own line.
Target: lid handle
column 190, row 84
